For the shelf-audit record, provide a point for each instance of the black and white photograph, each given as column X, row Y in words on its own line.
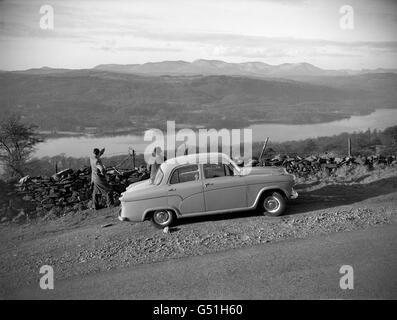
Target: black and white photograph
column 193, row 156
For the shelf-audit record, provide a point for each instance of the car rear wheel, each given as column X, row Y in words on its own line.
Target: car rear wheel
column 273, row 204
column 163, row 218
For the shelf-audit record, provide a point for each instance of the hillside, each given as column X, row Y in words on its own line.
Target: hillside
column 380, row 85
column 74, row 99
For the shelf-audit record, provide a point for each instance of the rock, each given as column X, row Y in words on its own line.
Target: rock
column 90, row 205
column 106, row 225
column 166, row 230
column 27, row 198
column 40, row 212
column 62, row 174
column 24, row 180
column 49, row 216
column 48, row 206
column 55, row 211
column 20, row 217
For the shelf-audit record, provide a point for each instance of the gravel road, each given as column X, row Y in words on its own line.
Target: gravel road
column 300, row 269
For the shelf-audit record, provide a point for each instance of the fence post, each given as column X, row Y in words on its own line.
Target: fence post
column 349, row 147
column 263, row 150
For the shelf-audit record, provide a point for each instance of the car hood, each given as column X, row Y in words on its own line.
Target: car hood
column 249, row 171
column 142, row 190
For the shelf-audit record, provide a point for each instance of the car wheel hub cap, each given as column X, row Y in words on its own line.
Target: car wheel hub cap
column 271, row 204
column 161, row 217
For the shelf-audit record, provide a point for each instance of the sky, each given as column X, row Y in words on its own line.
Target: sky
column 91, row 32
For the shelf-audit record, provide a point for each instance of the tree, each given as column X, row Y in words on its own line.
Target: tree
column 17, row 142
column 391, row 133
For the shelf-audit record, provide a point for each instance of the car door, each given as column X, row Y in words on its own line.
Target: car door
column 222, row 189
column 185, row 190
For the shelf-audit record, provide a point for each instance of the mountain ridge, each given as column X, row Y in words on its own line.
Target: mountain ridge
column 202, row 67
column 219, row 67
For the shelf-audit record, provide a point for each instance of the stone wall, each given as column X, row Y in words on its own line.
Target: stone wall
column 64, row 192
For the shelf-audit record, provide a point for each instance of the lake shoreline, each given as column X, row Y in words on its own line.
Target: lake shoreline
column 141, row 131
column 81, row 146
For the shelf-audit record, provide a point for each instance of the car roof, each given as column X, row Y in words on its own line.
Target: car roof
column 195, row 158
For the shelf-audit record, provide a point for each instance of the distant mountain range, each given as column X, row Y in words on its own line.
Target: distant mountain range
column 217, row 67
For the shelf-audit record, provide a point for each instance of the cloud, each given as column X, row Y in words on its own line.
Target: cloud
column 277, row 52
column 137, row 49
column 119, row 30
column 240, row 39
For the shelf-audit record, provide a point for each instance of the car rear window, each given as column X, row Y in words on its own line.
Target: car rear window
column 185, row 174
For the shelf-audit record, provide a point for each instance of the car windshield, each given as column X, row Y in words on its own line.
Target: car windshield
column 235, row 167
column 159, row 177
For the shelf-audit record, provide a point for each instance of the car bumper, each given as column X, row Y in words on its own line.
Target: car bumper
column 294, row 194
column 120, row 215
column 131, row 211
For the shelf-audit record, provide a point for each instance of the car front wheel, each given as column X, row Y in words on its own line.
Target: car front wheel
column 273, row 204
column 163, row 218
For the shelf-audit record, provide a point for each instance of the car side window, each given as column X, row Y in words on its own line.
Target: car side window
column 185, row 174
column 215, row 170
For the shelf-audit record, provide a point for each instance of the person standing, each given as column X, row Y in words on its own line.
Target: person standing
column 98, row 180
column 155, row 162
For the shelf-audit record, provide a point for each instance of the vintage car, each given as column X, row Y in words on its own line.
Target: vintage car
column 205, row 184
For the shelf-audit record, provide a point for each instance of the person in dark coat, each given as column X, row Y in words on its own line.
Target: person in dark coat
column 98, row 179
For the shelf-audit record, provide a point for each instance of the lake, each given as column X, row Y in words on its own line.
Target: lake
column 82, row 146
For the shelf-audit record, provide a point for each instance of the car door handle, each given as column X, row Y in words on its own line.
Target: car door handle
column 172, row 189
column 209, row 184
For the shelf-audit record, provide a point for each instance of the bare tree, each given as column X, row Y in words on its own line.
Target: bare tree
column 17, row 142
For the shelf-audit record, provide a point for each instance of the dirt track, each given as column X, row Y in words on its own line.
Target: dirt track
column 79, row 244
